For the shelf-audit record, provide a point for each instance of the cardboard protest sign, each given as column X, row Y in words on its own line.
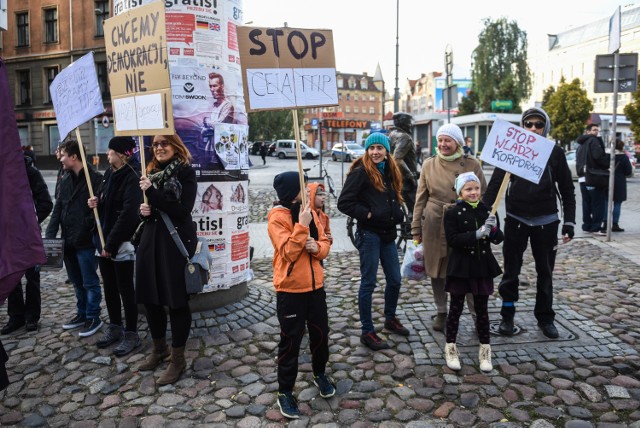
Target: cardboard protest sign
column 138, row 68
column 75, row 94
column 287, row 68
column 516, row 150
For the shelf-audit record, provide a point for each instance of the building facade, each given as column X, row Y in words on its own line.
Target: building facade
column 359, row 110
column 43, row 38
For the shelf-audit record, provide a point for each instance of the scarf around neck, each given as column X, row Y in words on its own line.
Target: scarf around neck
column 450, row 158
column 158, row 178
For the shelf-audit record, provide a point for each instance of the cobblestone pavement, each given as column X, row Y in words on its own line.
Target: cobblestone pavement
column 588, row 377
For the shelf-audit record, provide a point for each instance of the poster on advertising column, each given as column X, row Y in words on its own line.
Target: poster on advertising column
column 209, row 115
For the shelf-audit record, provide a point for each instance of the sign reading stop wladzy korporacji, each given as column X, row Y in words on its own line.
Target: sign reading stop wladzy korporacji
column 516, row 150
column 75, row 94
column 287, row 68
column 138, row 69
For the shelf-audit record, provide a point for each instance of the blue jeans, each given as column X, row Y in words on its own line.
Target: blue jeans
column 617, row 207
column 81, row 267
column 372, row 249
column 593, row 207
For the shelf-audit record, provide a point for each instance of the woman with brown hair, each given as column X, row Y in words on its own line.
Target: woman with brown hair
column 170, row 187
column 372, row 194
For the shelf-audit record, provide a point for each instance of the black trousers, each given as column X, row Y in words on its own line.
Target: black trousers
column 297, row 311
column 117, row 279
column 180, row 323
column 544, row 244
column 26, row 308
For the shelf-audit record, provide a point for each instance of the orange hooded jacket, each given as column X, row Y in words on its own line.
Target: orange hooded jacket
column 295, row 270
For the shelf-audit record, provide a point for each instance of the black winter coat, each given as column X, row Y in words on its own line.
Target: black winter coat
column 469, row 257
column 623, row 170
column 526, row 199
column 119, row 197
column 71, row 212
column 359, row 198
column 590, row 149
column 39, row 191
column 159, row 264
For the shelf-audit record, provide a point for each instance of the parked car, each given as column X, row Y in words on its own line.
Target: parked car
column 571, row 160
column 346, row 151
column 287, row 149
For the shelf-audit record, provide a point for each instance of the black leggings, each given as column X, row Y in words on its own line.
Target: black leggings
column 117, row 279
column 456, row 305
column 180, row 323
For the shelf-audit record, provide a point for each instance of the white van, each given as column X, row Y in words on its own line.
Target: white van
column 287, row 149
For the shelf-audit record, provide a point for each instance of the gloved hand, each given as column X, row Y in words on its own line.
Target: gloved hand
column 483, row 232
column 567, row 230
column 491, row 222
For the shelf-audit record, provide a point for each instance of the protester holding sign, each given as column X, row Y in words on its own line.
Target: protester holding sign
column 532, row 215
column 74, row 217
column 171, row 188
column 436, row 193
column 118, row 199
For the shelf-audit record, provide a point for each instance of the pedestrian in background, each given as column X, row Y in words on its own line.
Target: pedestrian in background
column 118, row 199
column 372, row 194
column 436, row 193
column 299, row 246
column 623, row 169
column 468, row 146
column 75, row 218
column 532, row 216
column 25, row 310
column 263, row 152
column 170, row 187
column 591, row 153
column 470, row 231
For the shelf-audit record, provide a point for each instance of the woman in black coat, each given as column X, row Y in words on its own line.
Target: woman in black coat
column 170, row 187
column 622, row 171
column 118, row 199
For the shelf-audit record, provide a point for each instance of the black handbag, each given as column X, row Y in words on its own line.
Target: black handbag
column 595, row 177
column 196, row 272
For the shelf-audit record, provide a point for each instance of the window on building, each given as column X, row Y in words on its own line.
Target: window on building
column 340, row 96
column 348, row 109
column 340, row 82
column 50, row 25
column 23, row 77
column 355, row 97
column 22, row 26
column 364, row 83
column 348, row 97
column 372, row 97
column 372, row 110
column 103, row 80
column 339, row 108
column 356, row 109
column 352, row 83
column 102, row 13
column 50, row 73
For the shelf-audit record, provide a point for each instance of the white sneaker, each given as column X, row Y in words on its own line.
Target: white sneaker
column 451, row 356
column 485, row 358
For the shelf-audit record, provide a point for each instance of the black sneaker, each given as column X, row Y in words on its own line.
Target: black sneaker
column 372, row 341
column 76, row 322
column 130, row 341
column 394, row 326
column 91, row 326
column 288, row 405
column 549, row 330
column 32, row 326
column 325, row 385
column 111, row 336
column 12, row 326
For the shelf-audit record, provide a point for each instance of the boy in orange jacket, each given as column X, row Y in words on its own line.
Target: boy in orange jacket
column 299, row 244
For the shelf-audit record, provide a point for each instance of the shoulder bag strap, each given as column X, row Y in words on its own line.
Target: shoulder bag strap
column 174, row 234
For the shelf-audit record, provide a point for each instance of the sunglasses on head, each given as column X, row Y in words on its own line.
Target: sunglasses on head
column 529, row 124
column 163, row 144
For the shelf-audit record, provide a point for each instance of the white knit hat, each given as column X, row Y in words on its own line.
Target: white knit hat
column 463, row 179
column 453, row 131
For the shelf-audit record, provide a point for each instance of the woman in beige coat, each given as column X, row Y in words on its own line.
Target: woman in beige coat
column 436, row 193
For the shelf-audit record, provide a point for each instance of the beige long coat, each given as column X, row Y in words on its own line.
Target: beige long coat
column 436, row 192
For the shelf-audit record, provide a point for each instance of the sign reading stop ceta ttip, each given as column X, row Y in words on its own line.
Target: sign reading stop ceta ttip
column 516, row 150
column 287, row 68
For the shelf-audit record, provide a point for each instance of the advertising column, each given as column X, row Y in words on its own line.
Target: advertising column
column 210, row 116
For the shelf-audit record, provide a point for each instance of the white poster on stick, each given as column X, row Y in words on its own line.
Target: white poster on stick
column 516, row 150
column 75, row 94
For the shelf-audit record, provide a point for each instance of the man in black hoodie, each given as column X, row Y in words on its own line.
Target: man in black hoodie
column 532, row 216
column 590, row 152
